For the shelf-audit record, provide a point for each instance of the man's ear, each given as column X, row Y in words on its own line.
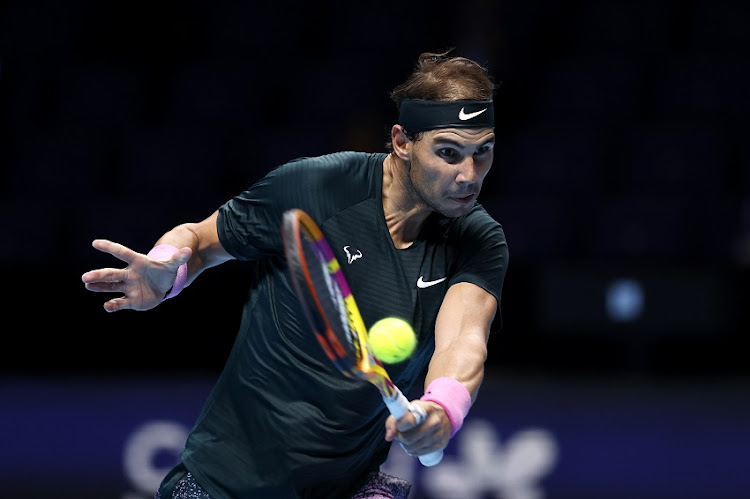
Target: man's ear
column 400, row 142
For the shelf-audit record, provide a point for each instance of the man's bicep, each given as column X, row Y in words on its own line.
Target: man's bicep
column 466, row 315
column 210, row 248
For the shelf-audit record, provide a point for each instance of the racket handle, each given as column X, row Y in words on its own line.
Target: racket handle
column 399, row 405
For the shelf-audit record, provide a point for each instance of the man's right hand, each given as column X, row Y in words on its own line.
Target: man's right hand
column 143, row 283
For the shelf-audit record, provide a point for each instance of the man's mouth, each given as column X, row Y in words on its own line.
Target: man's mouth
column 463, row 198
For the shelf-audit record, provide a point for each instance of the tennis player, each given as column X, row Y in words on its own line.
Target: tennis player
column 282, row 421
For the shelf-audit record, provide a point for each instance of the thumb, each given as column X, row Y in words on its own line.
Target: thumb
column 182, row 256
column 407, row 422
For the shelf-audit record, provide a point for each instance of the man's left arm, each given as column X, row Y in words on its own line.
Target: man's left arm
column 456, row 369
column 462, row 330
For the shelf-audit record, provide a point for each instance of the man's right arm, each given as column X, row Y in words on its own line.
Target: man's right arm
column 203, row 239
column 148, row 278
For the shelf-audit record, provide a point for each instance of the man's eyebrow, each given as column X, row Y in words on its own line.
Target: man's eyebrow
column 460, row 145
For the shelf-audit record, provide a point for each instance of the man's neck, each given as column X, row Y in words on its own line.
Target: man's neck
column 404, row 210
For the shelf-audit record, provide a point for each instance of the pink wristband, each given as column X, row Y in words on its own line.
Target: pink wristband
column 451, row 396
column 163, row 252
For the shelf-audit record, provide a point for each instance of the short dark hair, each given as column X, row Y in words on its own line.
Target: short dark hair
column 443, row 77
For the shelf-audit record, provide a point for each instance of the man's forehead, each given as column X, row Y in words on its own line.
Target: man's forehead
column 461, row 135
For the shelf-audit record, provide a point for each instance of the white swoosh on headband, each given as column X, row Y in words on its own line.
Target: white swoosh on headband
column 467, row 116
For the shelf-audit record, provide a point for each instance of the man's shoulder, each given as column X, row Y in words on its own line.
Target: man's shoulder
column 477, row 222
column 336, row 160
column 341, row 173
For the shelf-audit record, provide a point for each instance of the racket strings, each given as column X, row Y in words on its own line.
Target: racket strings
column 328, row 302
column 350, row 329
column 333, row 313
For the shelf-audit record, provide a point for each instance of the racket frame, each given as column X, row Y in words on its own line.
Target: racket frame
column 352, row 358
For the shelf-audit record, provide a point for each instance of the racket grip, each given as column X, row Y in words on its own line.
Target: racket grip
column 399, row 405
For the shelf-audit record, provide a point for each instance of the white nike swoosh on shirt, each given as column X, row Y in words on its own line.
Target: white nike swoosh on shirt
column 421, row 283
column 467, row 116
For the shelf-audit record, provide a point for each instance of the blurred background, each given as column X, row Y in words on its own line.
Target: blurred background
column 622, row 179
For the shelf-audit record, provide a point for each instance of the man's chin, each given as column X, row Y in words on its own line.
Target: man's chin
column 456, row 211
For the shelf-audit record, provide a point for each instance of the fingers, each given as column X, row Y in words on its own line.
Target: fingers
column 413, row 418
column 115, row 249
column 419, row 413
column 106, row 276
column 98, row 286
column 105, row 287
column 116, row 304
column 390, row 429
column 142, row 283
column 423, row 430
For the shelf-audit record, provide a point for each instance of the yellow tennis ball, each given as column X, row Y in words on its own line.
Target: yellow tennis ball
column 392, row 340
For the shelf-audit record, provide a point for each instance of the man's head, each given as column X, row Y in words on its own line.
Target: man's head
column 445, row 134
column 433, row 90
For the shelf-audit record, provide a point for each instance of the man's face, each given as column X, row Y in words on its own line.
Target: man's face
column 448, row 167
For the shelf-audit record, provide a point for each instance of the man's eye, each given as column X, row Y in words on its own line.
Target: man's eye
column 447, row 152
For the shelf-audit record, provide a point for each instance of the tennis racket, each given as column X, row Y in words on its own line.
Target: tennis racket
column 334, row 317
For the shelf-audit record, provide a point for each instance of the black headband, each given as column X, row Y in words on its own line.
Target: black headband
column 419, row 115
